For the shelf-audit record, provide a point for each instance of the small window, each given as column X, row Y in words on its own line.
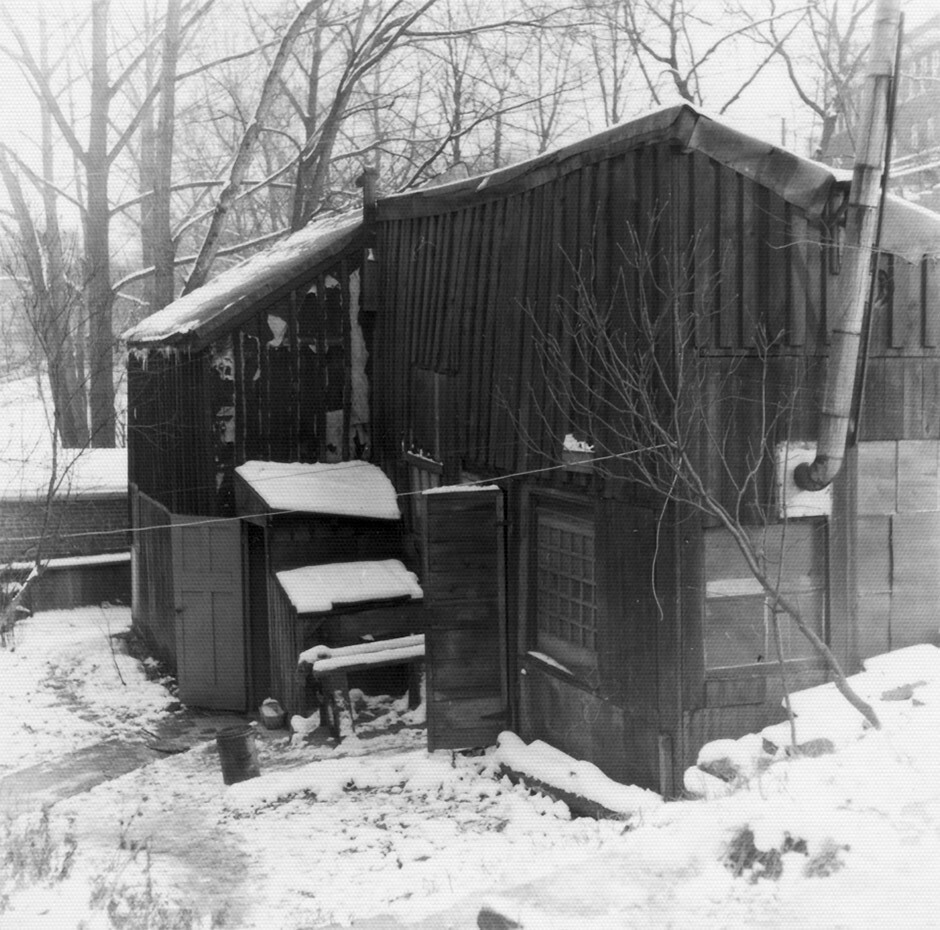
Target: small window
column 565, row 588
column 739, row 616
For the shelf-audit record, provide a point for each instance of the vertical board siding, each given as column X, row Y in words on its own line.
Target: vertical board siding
column 181, row 447
column 285, row 632
column 473, row 289
column 154, row 613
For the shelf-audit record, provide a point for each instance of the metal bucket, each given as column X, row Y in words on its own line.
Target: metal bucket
column 238, row 754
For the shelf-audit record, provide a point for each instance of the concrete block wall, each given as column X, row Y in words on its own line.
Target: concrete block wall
column 898, row 544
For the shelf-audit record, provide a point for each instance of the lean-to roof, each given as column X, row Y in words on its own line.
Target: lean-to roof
column 218, row 305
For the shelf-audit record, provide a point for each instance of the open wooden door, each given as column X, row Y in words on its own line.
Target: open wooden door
column 210, row 627
column 464, row 589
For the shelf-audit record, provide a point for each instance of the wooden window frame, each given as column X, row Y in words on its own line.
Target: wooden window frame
column 575, row 663
column 770, row 664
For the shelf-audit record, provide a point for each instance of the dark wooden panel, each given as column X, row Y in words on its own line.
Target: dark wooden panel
column 776, row 292
column 729, row 248
column 623, row 747
column 931, row 400
column 799, row 277
column 815, row 316
column 753, row 261
column 931, row 298
column 734, row 691
column 906, row 305
column 464, row 582
column 912, row 410
column 893, row 424
column 706, row 250
column 628, row 615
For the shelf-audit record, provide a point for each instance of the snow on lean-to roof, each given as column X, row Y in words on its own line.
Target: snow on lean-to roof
column 201, row 312
column 80, row 474
column 320, row 588
column 345, row 489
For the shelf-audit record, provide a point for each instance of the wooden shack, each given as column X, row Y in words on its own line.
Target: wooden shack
column 632, row 632
column 570, row 601
column 269, row 361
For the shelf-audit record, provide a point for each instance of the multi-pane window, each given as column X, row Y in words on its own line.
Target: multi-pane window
column 566, row 602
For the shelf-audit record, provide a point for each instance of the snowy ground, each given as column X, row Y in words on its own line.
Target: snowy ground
column 378, row 833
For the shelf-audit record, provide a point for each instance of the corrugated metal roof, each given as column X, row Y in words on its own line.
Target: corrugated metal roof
column 215, row 306
column 909, row 230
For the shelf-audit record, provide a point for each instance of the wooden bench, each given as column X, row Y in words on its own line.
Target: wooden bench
column 329, row 667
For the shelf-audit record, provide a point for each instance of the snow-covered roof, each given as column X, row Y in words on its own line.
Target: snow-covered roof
column 909, row 231
column 217, row 304
column 348, row 489
column 80, row 474
column 321, row 588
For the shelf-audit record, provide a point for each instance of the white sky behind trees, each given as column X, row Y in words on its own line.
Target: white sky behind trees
column 767, row 108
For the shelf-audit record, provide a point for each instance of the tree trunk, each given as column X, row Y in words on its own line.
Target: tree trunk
column 99, row 295
column 65, row 379
column 163, row 247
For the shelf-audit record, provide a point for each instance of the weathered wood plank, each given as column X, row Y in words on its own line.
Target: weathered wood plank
column 931, row 302
column 775, row 295
column 798, row 259
column 873, row 550
column 729, row 247
column 916, row 582
column 877, row 477
column 706, row 253
column 931, row 387
column 753, row 261
column 912, row 411
column 906, row 305
column 918, row 476
column 874, row 622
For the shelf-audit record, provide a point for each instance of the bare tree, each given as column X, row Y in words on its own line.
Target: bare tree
column 675, row 43
column 824, row 57
column 628, row 374
column 95, row 158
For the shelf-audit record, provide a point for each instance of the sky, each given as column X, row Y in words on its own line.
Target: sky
column 769, row 109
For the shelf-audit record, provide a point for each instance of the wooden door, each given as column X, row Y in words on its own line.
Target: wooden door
column 210, row 628
column 464, row 589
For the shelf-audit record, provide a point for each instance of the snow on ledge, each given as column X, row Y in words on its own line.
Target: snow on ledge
column 320, row 588
column 451, row 488
column 321, row 652
column 347, row 489
column 558, row 770
column 383, row 657
column 73, row 561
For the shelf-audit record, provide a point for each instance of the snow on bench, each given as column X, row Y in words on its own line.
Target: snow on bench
column 330, row 665
column 316, row 653
column 586, row 790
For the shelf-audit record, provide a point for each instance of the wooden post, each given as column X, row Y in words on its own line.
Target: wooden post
column 368, row 181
